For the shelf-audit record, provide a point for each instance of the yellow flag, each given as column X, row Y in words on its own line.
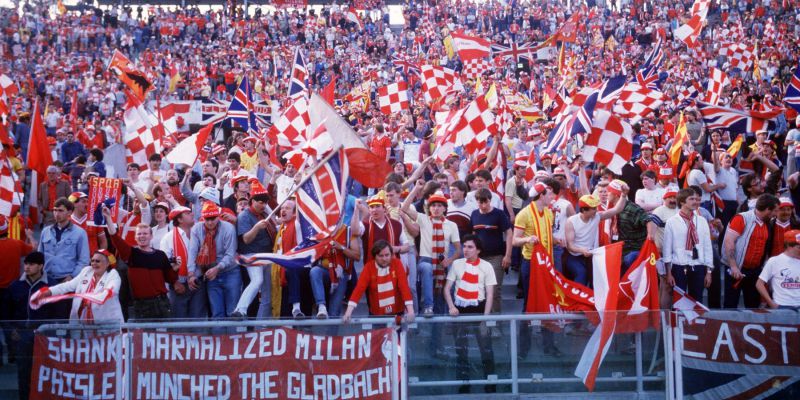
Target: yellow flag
column 61, row 9
column 756, row 67
column 448, row 46
column 681, row 136
column 733, row 150
column 491, row 96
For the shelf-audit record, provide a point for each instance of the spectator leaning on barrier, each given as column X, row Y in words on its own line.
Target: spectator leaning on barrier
column 474, row 281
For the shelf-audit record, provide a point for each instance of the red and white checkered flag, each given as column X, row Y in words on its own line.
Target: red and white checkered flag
column 505, row 117
column 9, row 190
column 393, row 98
column 475, row 67
column 637, row 101
column 739, row 55
column 290, row 128
column 716, row 81
column 769, row 30
column 610, row 142
column 438, row 81
column 475, row 126
column 143, row 132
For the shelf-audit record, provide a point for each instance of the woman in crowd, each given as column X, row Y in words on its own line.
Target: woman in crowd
column 98, row 278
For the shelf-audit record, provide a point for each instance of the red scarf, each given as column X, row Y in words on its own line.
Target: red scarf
column 467, row 289
column 208, row 250
column 438, row 250
column 85, row 309
column 691, row 235
column 179, row 250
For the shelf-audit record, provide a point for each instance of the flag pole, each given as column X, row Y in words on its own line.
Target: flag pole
column 316, row 167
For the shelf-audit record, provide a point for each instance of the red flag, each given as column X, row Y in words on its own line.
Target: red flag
column 39, row 158
column 365, row 166
column 328, row 93
column 187, row 151
column 134, row 79
column 551, row 292
column 639, row 293
column 606, row 264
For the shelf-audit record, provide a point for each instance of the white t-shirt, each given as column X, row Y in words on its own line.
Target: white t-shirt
column 426, row 235
column 485, row 275
column 730, row 177
column 697, row 178
column 559, row 208
column 650, row 197
column 782, row 274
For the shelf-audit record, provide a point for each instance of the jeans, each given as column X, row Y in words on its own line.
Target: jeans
column 482, row 336
column 558, row 256
column 294, row 276
column 410, row 264
column 321, row 277
column 690, row 278
column 579, row 268
column 224, row 293
column 249, row 293
column 265, row 306
column 191, row 304
column 425, row 270
column 627, row 260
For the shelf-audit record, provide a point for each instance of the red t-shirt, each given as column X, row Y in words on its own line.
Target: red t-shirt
column 12, row 250
column 758, row 241
column 380, row 146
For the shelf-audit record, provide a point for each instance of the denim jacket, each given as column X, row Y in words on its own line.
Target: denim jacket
column 226, row 247
column 66, row 257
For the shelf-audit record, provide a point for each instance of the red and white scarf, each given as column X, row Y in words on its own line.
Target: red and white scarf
column 386, row 297
column 208, row 249
column 179, row 251
column 691, row 235
column 467, row 288
column 438, row 247
column 88, row 297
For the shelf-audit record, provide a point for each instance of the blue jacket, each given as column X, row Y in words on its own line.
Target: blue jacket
column 71, row 150
column 226, row 247
column 65, row 257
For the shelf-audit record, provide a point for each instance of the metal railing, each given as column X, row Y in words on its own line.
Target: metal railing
column 512, row 377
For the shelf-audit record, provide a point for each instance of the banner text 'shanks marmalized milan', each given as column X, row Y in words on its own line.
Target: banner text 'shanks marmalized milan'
column 272, row 363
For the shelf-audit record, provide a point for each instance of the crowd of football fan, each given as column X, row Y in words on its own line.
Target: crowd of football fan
column 440, row 235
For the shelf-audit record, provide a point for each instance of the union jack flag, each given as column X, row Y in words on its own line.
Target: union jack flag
column 647, row 75
column 404, row 65
column 515, row 51
column 320, row 206
column 241, row 108
column 297, row 84
column 737, row 121
column 792, row 98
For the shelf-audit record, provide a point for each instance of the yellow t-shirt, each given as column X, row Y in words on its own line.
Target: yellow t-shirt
column 249, row 162
column 535, row 222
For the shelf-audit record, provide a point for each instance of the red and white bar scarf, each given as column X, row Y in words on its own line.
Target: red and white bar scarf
column 467, row 288
column 438, row 247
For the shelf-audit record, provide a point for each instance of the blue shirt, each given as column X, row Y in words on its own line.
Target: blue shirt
column 71, row 150
column 261, row 243
column 65, row 256
column 491, row 229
